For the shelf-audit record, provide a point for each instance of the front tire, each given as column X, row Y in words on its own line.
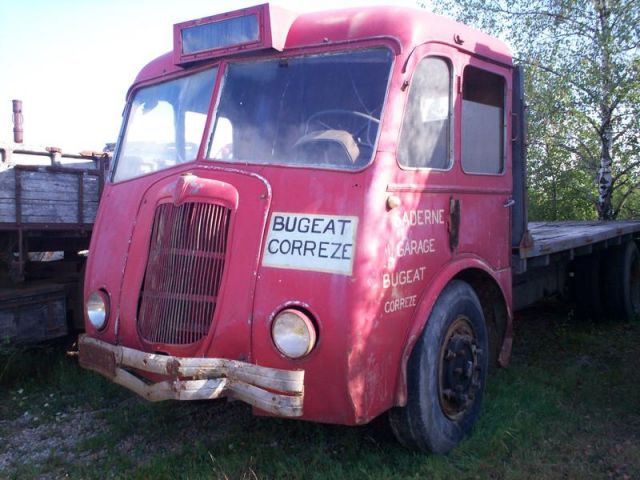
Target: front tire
column 446, row 374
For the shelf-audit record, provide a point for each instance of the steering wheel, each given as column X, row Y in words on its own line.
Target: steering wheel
column 358, row 124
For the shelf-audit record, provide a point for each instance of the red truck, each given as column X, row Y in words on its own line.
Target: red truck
column 324, row 215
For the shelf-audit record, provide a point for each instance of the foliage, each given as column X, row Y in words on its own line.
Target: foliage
column 582, row 58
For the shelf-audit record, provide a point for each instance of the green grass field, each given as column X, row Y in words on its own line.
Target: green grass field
column 568, row 406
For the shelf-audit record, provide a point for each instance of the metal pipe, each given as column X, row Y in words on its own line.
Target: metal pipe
column 17, row 121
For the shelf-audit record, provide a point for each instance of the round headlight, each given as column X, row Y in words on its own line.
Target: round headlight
column 293, row 333
column 98, row 309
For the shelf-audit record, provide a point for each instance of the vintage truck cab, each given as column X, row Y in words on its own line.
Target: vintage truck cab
column 312, row 213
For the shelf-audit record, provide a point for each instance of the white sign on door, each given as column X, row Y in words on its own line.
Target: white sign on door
column 322, row 243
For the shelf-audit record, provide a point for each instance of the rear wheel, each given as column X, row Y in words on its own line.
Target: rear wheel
column 446, row 374
column 587, row 286
column 622, row 281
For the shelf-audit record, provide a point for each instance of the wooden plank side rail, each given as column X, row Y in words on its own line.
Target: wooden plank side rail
column 564, row 241
column 18, row 196
column 49, row 195
column 554, row 237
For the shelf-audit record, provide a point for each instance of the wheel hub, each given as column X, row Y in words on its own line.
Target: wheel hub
column 459, row 368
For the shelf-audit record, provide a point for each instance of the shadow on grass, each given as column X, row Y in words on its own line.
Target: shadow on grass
column 568, row 406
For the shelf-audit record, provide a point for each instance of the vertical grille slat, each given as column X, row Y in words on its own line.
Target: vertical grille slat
column 183, row 273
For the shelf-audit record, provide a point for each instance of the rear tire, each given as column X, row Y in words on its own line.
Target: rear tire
column 587, row 286
column 622, row 281
column 446, row 374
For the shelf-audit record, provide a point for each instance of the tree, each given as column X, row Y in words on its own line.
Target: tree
column 583, row 59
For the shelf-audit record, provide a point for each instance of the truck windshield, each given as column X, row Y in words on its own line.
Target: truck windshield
column 165, row 125
column 315, row 110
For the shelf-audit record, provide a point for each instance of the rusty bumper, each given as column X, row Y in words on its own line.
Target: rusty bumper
column 279, row 392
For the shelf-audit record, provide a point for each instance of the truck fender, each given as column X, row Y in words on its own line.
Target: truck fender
column 463, row 268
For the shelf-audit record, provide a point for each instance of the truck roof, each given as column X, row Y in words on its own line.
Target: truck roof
column 410, row 27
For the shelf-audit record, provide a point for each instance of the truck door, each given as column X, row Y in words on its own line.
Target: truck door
column 425, row 176
column 483, row 195
column 454, row 181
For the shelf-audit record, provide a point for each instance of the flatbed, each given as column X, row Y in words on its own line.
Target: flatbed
column 569, row 258
column 548, row 240
column 48, row 204
column 576, row 237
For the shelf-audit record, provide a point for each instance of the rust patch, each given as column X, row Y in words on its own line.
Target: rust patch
column 505, row 353
column 173, row 367
column 99, row 360
column 454, row 223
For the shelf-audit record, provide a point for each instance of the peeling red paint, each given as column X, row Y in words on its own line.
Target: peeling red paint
column 407, row 242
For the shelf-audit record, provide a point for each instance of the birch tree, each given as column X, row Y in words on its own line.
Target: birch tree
column 584, row 57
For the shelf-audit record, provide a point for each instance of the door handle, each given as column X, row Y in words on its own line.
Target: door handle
column 509, row 203
column 454, row 223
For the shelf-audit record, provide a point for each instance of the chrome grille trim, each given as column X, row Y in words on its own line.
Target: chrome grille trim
column 184, row 271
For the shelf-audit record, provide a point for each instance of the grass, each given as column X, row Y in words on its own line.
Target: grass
column 568, row 406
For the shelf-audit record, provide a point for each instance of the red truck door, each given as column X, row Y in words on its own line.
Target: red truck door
column 482, row 197
column 454, row 182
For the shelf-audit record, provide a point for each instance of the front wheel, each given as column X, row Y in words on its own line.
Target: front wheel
column 446, row 374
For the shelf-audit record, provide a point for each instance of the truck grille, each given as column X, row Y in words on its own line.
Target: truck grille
column 184, row 271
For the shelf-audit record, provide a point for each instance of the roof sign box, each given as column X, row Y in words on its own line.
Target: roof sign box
column 254, row 28
column 220, row 34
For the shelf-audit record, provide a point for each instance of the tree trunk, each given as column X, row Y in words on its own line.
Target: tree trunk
column 605, row 179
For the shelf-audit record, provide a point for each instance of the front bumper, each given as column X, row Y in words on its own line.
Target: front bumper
column 279, row 392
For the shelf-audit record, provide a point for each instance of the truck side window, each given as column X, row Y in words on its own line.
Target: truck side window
column 482, row 122
column 425, row 138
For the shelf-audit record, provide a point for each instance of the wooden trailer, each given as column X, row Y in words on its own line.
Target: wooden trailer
column 48, row 203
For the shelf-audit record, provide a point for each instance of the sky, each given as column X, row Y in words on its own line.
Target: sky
column 71, row 62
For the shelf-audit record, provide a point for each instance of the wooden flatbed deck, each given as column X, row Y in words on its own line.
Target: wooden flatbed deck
column 540, row 268
column 576, row 237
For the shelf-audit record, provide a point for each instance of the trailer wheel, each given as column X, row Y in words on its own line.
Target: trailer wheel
column 446, row 374
column 622, row 281
column 587, row 286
